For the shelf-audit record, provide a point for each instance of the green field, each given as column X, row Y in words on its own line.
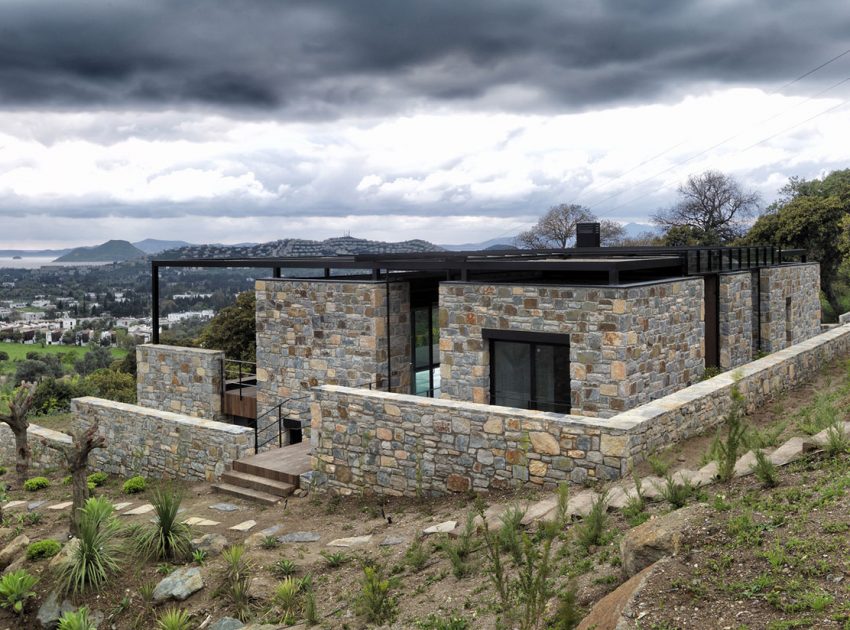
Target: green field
column 18, row 352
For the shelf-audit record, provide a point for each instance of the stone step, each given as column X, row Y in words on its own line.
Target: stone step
column 247, row 493
column 745, row 463
column 788, row 452
column 256, row 482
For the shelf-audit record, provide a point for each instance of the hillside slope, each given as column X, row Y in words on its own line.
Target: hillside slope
column 110, row 251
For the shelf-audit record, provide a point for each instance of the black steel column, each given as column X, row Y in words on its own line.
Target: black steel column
column 276, row 272
column 154, row 302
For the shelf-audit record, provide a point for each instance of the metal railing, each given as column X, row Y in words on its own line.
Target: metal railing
column 716, row 259
column 238, row 375
column 281, row 418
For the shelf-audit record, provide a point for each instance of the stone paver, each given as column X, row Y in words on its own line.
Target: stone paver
column 60, row 506
column 34, row 505
column 579, row 505
column 224, row 507
column 391, row 541
column 11, row 505
column 744, row 465
column 299, row 537
column 351, row 541
column 538, row 510
column 270, row 531
column 122, row 506
column 142, row 509
column 202, row 522
column 788, row 452
column 244, row 526
column 440, row 528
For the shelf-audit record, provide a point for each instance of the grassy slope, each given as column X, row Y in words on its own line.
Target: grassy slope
column 18, row 352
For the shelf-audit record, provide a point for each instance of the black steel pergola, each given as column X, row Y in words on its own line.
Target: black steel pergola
column 607, row 262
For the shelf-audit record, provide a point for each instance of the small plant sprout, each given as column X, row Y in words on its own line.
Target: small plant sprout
column 284, row 567
column 592, row 528
column 199, row 556
column 677, row 493
column 270, row 542
column 16, row 589
column 334, row 559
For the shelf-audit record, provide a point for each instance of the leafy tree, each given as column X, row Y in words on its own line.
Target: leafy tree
column 557, row 228
column 112, row 385
column 54, row 395
column 4, row 356
column 44, row 366
column 19, row 408
column 713, row 209
column 95, row 359
column 234, row 329
column 813, row 215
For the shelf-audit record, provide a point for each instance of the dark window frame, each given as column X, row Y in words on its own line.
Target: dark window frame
column 533, row 339
column 432, row 365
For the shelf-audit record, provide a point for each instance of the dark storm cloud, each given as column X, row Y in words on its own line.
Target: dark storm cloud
column 322, row 59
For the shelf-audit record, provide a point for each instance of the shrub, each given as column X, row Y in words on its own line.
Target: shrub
column 284, row 567
column 765, row 470
column 78, row 620
column 66, row 480
column 2, row 470
column 592, row 529
column 287, row 597
column 677, row 494
column 659, row 466
column 509, row 533
column 374, row 600
column 837, row 440
column 174, row 619
column 96, row 556
column 270, row 542
column 36, row 483
column 15, row 589
column 416, row 555
column 98, row 479
column 166, row 538
column 235, row 580
column 199, row 556
column 728, row 448
column 43, row 549
column 334, row 559
column 134, row 485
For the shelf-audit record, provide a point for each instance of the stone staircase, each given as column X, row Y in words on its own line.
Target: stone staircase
column 268, row 477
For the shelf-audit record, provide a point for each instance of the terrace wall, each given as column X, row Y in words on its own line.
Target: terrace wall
column 180, row 380
column 790, row 305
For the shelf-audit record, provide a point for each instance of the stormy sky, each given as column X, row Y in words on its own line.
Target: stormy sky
column 449, row 121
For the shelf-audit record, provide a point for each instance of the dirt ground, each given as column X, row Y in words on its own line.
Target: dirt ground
column 737, row 577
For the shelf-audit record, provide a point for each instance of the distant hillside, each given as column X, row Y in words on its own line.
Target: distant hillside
column 345, row 245
column 502, row 242
column 154, row 246
column 110, row 251
column 32, row 253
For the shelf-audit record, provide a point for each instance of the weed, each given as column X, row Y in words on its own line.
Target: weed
column 15, row 589
column 776, row 557
column 163, row 568
column 43, row 549
column 510, row 540
column 30, row 518
column 567, row 615
column 199, row 556
column 816, row 601
column 728, row 448
column 146, row 592
column 744, row 530
column 174, row 619
column 96, row 556
column 442, row 622
column 458, row 552
column 334, row 559
column 677, row 494
column 374, row 600
column 658, row 465
column 592, row 528
column 765, row 470
column 167, row 537
column 76, row 620
column 270, row 542
column 134, row 485
column 36, row 483
column 720, row 503
column 837, row 440
column 416, row 555
column 311, row 614
column 767, row 437
column 284, row 567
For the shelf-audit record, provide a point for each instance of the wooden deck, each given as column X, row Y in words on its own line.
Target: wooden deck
column 281, row 464
column 244, row 405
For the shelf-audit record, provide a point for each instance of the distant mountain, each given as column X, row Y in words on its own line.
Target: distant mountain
column 638, row 229
column 32, row 253
column 154, row 246
column 345, row 245
column 110, row 251
column 501, row 242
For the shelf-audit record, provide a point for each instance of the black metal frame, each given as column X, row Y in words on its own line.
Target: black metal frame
column 431, row 365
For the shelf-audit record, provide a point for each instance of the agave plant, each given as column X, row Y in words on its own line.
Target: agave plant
column 97, row 555
column 167, row 538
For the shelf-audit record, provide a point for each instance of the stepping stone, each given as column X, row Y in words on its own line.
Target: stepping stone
column 299, row 537
column 13, row 504
column 212, row 544
column 203, row 522
column 788, row 452
column 391, row 541
column 579, row 505
column 351, row 541
column 122, row 506
column 709, row 470
column 179, row 585
column 142, row 509
column 243, row 526
column 224, row 507
column 34, row 505
column 441, row 528
column 61, row 506
column 538, row 510
column 270, row 531
column 744, row 465
column 619, row 497
column 652, row 487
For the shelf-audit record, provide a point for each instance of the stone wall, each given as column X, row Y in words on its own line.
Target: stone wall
column 44, row 459
column 402, row 445
column 161, row 444
column 735, row 319
column 628, row 345
column 790, row 305
column 180, row 380
column 312, row 332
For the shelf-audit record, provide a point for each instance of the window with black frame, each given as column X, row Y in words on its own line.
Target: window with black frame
column 529, row 370
column 426, row 351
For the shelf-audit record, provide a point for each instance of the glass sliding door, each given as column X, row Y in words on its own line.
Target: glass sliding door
column 426, row 351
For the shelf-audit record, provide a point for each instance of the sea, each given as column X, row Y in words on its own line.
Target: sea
column 34, row 262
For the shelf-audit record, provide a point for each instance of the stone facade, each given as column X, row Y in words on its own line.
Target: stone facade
column 403, row 445
column 628, row 345
column 161, row 444
column 312, row 332
column 181, row 380
column 735, row 319
column 44, row 459
column 790, row 305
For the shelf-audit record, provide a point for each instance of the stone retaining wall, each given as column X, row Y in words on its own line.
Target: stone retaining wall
column 180, row 380
column 44, row 459
column 402, row 445
column 161, row 444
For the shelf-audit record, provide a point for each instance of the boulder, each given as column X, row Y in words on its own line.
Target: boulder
column 179, row 585
column 211, row 544
column 658, row 537
column 52, row 609
column 14, row 549
column 65, row 554
column 227, row 623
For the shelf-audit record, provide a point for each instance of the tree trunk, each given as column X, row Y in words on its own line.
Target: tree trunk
column 80, row 483
column 23, row 454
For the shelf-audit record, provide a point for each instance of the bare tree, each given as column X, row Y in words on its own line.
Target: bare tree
column 557, row 228
column 19, row 407
column 76, row 456
column 713, row 209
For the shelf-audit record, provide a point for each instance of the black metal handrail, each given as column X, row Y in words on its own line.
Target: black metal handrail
column 244, row 373
column 278, row 418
